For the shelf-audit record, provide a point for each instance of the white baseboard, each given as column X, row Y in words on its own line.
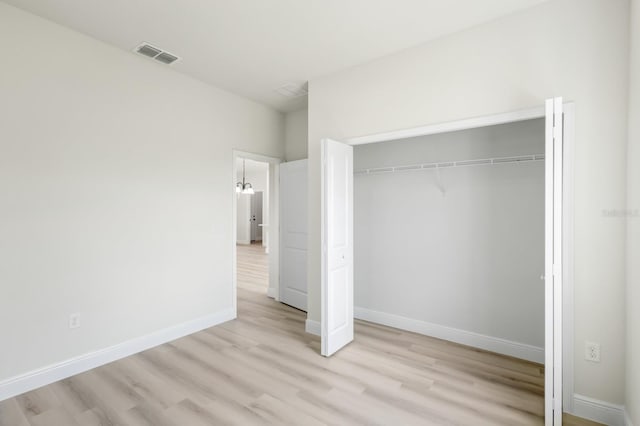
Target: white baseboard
column 243, row 242
column 312, row 327
column 600, row 411
column 61, row 370
column 489, row 343
column 271, row 292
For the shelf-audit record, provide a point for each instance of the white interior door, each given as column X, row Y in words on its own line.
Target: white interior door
column 553, row 261
column 337, row 246
column 293, row 233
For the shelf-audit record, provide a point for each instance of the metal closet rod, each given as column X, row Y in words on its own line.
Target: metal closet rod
column 451, row 164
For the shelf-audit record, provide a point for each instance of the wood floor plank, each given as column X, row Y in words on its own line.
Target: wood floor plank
column 569, row 420
column 149, row 386
column 38, row 401
column 57, row 416
column 11, row 414
column 262, row 368
column 274, row 411
column 189, row 413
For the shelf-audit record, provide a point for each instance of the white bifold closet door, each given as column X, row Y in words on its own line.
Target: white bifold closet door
column 337, row 246
column 553, row 261
column 293, row 234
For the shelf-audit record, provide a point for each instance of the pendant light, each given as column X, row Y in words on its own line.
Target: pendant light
column 244, row 187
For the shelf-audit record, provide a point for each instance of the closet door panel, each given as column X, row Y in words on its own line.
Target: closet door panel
column 337, row 246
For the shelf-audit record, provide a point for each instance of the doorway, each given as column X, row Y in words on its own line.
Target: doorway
column 255, row 265
column 252, row 212
column 337, row 311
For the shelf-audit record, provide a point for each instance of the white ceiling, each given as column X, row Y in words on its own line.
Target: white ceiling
column 252, row 47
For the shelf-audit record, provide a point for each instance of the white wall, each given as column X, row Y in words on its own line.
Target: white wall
column 257, row 178
column 470, row 258
column 296, row 126
column 116, row 192
column 572, row 48
column 633, row 225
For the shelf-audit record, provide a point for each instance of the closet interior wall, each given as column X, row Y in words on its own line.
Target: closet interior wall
column 456, row 249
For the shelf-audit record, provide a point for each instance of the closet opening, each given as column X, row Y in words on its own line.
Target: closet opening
column 460, row 231
column 449, row 237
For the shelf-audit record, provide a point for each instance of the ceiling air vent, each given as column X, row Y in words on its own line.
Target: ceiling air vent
column 293, row 90
column 156, row 53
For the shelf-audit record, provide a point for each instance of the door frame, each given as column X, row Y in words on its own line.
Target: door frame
column 567, row 308
column 274, row 223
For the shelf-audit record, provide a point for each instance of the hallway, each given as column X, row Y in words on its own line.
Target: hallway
column 253, row 268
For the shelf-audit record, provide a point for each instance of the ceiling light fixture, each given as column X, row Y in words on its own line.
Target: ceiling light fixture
column 244, row 187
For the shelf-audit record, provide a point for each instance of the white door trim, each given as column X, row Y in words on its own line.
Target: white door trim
column 568, row 261
column 451, row 126
column 554, row 272
column 568, row 208
column 274, row 225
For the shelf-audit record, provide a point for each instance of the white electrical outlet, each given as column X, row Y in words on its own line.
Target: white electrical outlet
column 592, row 351
column 74, row 320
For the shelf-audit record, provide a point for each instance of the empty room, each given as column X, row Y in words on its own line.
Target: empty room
column 303, row 212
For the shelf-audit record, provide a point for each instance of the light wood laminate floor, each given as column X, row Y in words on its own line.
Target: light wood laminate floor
column 262, row 368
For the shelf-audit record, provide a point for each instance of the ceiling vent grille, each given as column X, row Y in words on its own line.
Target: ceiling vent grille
column 293, row 90
column 156, row 53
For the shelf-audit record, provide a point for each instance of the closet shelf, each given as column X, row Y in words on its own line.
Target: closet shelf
column 451, row 164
